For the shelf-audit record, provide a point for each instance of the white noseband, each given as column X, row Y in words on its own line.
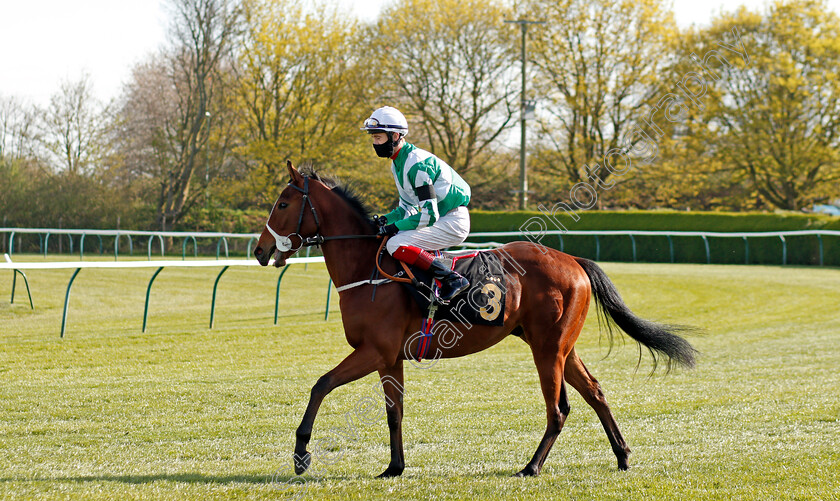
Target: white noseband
column 282, row 243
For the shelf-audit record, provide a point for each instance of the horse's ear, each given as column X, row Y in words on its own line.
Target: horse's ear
column 293, row 173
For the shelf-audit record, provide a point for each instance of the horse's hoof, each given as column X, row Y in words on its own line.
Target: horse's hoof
column 302, row 462
column 392, row 471
column 623, row 465
column 527, row 472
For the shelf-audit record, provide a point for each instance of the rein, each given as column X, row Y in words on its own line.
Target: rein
column 409, row 280
column 284, row 243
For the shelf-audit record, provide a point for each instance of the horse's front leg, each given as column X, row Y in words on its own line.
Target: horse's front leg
column 392, row 386
column 358, row 364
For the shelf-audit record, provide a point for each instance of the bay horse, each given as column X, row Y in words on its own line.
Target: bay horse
column 548, row 295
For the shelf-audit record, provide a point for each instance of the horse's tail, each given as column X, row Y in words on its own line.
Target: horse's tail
column 658, row 338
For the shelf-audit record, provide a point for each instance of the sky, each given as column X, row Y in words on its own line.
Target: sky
column 45, row 42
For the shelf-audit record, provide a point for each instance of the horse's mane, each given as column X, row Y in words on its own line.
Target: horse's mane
column 346, row 192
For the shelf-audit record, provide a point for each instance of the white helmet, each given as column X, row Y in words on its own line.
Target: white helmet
column 386, row 119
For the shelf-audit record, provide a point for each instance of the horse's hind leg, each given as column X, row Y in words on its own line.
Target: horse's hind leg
column 550, row 369
column 550, row 348
column 579, row 377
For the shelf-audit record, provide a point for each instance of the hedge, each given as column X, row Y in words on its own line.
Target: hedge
column 803, row 250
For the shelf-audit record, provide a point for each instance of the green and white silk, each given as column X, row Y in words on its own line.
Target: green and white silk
column 414, row 168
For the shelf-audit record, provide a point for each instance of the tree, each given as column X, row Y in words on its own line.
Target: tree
column 770, row 87
column 599, row 63
column 17, row 129
column 148, row 121
column 304, row 90
column 18, row 136
column 72, row 128
column 168, row 105
column 450, row 73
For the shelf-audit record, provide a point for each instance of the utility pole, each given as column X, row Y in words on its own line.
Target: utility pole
column 525, row 107
column 207, row 163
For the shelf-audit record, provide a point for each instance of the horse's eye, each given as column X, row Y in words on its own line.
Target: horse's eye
column 282, row 205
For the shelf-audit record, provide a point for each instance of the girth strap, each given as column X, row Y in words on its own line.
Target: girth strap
column 363, row 282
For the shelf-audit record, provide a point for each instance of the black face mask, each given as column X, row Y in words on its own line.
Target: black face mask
column 386, row 149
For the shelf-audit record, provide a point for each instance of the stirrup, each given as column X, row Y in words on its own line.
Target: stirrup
column 455, row 291
column 434, row 296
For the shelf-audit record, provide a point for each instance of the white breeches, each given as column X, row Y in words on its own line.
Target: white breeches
column 452, row 229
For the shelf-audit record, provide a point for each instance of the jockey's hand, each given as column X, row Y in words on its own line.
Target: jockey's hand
column 388, row 230
column 379, row 221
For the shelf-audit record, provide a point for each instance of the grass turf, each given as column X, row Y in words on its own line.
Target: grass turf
column 187, row 412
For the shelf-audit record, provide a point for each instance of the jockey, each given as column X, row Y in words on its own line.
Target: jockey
column 432, row 212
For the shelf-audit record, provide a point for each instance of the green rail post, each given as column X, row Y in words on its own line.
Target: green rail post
column 819, row 238
column 82, row 245
column 67, row 301
column 633, row 241
column 148, row 291
column 597, row 248
column 746, row 250
column 277, row 294
column 560, row 237
column 184, row 247
column 248, row 252
column 218, row 245
column 14, row 282
column 12, row 243
column 784, row 250
column 47, row 242
column 213, row 303
column 149, row 250
column 117, row 246
column 329, row 291
column 708, row 254
column 671, row 247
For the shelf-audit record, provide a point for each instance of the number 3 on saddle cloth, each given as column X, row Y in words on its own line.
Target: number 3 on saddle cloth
column 483, row 303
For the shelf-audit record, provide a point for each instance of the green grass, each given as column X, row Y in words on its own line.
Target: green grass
column 184, row 412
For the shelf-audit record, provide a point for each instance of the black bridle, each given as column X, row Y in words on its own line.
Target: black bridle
column 284, row 244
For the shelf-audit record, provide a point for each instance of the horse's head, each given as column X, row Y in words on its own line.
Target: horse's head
column 291, row 220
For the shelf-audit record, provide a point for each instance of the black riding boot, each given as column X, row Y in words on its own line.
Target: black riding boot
column 451, row 283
